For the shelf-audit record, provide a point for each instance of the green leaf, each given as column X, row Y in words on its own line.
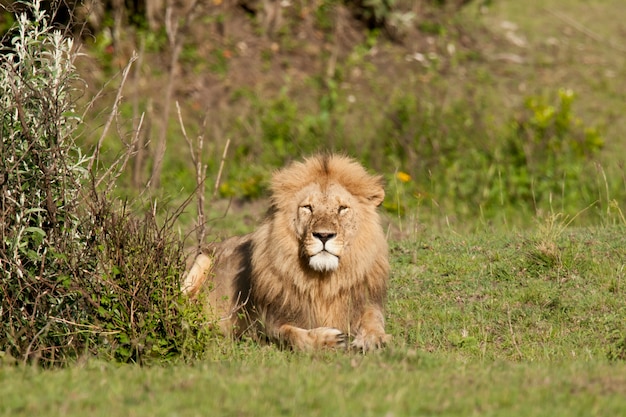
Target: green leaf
column 35, row 230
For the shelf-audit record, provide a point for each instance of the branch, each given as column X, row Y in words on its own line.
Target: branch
column 219, row 173
column 586, row 31
column 116, row 104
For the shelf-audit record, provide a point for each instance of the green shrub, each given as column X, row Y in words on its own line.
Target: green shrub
column 41, row 234
column 545, row 156
column 548, row 152
column 135, row 291
column 277, row 131
column 79, row 273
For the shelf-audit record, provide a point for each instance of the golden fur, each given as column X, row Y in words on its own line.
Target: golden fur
column 315, row 273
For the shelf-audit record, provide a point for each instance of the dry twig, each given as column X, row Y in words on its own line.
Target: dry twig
column 584, row 30
column 219, row 172
column 196, row 159
column 174, row 32
column 113, row 114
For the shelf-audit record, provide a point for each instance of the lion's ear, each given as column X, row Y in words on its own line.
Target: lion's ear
column 376, row 193
column 377, row 199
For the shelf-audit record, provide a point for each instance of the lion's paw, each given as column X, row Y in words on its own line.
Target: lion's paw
column 328, row 337
column 370, row 341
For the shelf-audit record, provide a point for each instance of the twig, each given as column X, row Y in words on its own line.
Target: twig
column 513, row 338
column 130, row 151
column 116, row 104
column 196, row 159
column 237, row 305
column 161, row 145
column 182, row 128
column 90, row 327
column 200, row 180
column 584, row 30
column 32, row 342
column 140, row 146
column 174, row 32
column 219, row 172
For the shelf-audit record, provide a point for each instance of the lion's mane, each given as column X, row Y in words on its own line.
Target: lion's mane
column 266, row 278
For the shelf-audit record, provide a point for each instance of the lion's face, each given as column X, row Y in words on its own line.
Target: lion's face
column 325, row 223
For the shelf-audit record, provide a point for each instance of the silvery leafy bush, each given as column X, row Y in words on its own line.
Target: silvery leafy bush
column 80, row 274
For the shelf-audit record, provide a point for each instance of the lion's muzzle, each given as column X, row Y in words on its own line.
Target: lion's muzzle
column 324, row 250
column 324, row 236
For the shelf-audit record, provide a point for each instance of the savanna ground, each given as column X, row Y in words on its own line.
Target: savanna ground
column 483, row 324
column 506, row 294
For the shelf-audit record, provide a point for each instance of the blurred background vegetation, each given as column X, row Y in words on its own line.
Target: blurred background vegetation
column 468, row 110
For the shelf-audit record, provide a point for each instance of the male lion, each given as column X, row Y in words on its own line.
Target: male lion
column 315, row 273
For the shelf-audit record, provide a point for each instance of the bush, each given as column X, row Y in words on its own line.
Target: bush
column 135, row 292
column 79, row 274
column 41, row 235
column 547, row 155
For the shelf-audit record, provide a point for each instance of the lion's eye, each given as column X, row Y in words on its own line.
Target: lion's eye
column 343, row 209
column 307, row 208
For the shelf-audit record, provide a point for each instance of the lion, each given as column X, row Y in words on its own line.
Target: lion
column 314, row 274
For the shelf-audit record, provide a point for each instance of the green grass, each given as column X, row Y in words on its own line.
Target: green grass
column 510, row 297
column 483, row 324
column 395, row 383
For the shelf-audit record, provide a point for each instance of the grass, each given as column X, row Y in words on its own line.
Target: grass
column 483, row 324
column 392, row 384
column 523, row 298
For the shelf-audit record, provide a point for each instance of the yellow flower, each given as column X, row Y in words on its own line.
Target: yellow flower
column 403, row 176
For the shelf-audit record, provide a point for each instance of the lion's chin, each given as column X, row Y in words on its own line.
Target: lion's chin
column 324, row 262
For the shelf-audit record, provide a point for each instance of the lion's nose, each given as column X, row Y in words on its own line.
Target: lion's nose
column 324, row 236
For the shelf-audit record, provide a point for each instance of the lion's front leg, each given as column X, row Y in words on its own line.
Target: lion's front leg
column 370, row 332
column 313, row 339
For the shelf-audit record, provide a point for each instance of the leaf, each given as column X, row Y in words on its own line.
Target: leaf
column 37, row 230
